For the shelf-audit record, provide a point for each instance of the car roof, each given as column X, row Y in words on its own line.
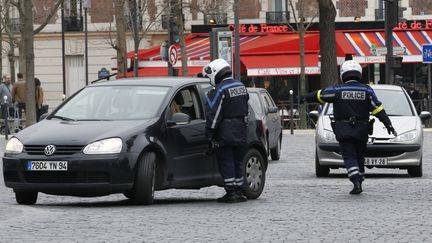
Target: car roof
column 386, row 87
column 153, row 81
column 255, row 89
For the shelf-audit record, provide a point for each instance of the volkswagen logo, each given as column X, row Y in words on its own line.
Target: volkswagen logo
column 49, row 150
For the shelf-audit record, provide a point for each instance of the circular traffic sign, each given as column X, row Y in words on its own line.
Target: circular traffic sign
column 172, row 55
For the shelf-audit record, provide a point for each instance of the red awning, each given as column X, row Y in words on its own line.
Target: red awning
column 163, row 71
column 285, row 64
column 369, row 46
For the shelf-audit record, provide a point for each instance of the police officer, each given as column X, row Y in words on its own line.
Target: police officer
column 352, row 102
column 226, row 127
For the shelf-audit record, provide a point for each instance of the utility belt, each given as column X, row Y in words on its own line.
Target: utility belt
column 244, row 119
column 353, row 121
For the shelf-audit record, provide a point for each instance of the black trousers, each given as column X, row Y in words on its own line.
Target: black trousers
column 230, row 161
column 353, row 153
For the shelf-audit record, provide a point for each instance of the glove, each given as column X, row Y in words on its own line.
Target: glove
column 213, row 146
column 390, row 130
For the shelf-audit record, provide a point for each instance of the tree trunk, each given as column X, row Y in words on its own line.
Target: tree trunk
column 121, row 39
column 28, row 53
column 1, row 40
column 11, row 52
column 327, row 15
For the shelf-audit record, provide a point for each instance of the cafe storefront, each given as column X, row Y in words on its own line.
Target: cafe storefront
column 270, row 54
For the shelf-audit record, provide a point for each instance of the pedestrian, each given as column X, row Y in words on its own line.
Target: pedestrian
column 415, row 96
column 19, row 94
column 352, row 102
column 39, row 99
column 6, row 97
column 226, row 126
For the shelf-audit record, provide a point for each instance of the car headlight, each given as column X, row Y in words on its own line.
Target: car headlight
column 14, row 146
column 329, row 136
column 405, row 137
column 105, row 146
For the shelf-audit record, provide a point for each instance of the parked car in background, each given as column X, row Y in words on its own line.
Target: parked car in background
column 383, row 150
column 130, row 136
column 267, row 112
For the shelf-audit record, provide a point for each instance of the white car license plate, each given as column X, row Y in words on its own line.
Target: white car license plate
column 47, row 165
column 375, row 161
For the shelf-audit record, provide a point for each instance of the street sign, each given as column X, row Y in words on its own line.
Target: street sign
column 103, row 73
column 381, row 51
column 427, row 53
column 172, row 55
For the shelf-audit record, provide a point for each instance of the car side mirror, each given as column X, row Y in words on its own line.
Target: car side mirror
column 314, row 115
column 425, row 115
column 179, row 119
column 272, row 110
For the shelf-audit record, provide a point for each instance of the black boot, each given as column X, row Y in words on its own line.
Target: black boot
column 240, row 196
column 232, row 197
column 357, row 189
column 229, row 197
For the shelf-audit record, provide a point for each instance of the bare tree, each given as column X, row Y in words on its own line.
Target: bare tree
column 148, row 15
column 120, row 44
column 329, row 72
column 26, row 50
column 1, row 39
column 301, row 27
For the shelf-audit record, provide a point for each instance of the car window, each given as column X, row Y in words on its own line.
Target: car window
column 255, row 103
column 114, row 103
column 268, row 99
column 395, row 103
column 187, row 101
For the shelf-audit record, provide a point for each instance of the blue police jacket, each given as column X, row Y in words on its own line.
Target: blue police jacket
column 352, row 102
column 226, row 113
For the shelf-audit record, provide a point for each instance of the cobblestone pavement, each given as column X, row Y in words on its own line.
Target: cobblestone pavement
column 295, row 207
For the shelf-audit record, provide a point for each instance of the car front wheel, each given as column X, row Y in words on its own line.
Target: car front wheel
column 143, row 192
column 416, row 171
column 320, row 170
column 255, row 174
column 26, row 198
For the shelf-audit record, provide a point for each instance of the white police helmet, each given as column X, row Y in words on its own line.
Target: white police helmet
column 216, row 71
column 350, row 70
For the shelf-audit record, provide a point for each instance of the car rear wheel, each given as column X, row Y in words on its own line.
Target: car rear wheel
column 143, row 192
column 275, row 152
column 320, row 170
column 416, row 171
column 255, row 174
column 26, row 198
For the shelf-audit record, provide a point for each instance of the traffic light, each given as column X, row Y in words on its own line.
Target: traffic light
column 394, row 12
column 174, row 32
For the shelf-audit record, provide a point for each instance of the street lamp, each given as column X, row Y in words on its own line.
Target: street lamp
column 86, row 6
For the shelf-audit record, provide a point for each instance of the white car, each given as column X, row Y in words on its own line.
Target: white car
column 383, row 150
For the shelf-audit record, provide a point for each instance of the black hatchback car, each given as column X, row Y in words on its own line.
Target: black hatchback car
column 130, row 136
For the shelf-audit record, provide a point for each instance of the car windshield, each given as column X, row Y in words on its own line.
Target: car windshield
column 113, row 103
column 395, row 103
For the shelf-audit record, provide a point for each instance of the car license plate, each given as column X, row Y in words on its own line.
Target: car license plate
column 47, row 165
column 375, row 161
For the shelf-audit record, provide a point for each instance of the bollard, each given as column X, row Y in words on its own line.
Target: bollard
column 291, row 112
column 6, row 117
